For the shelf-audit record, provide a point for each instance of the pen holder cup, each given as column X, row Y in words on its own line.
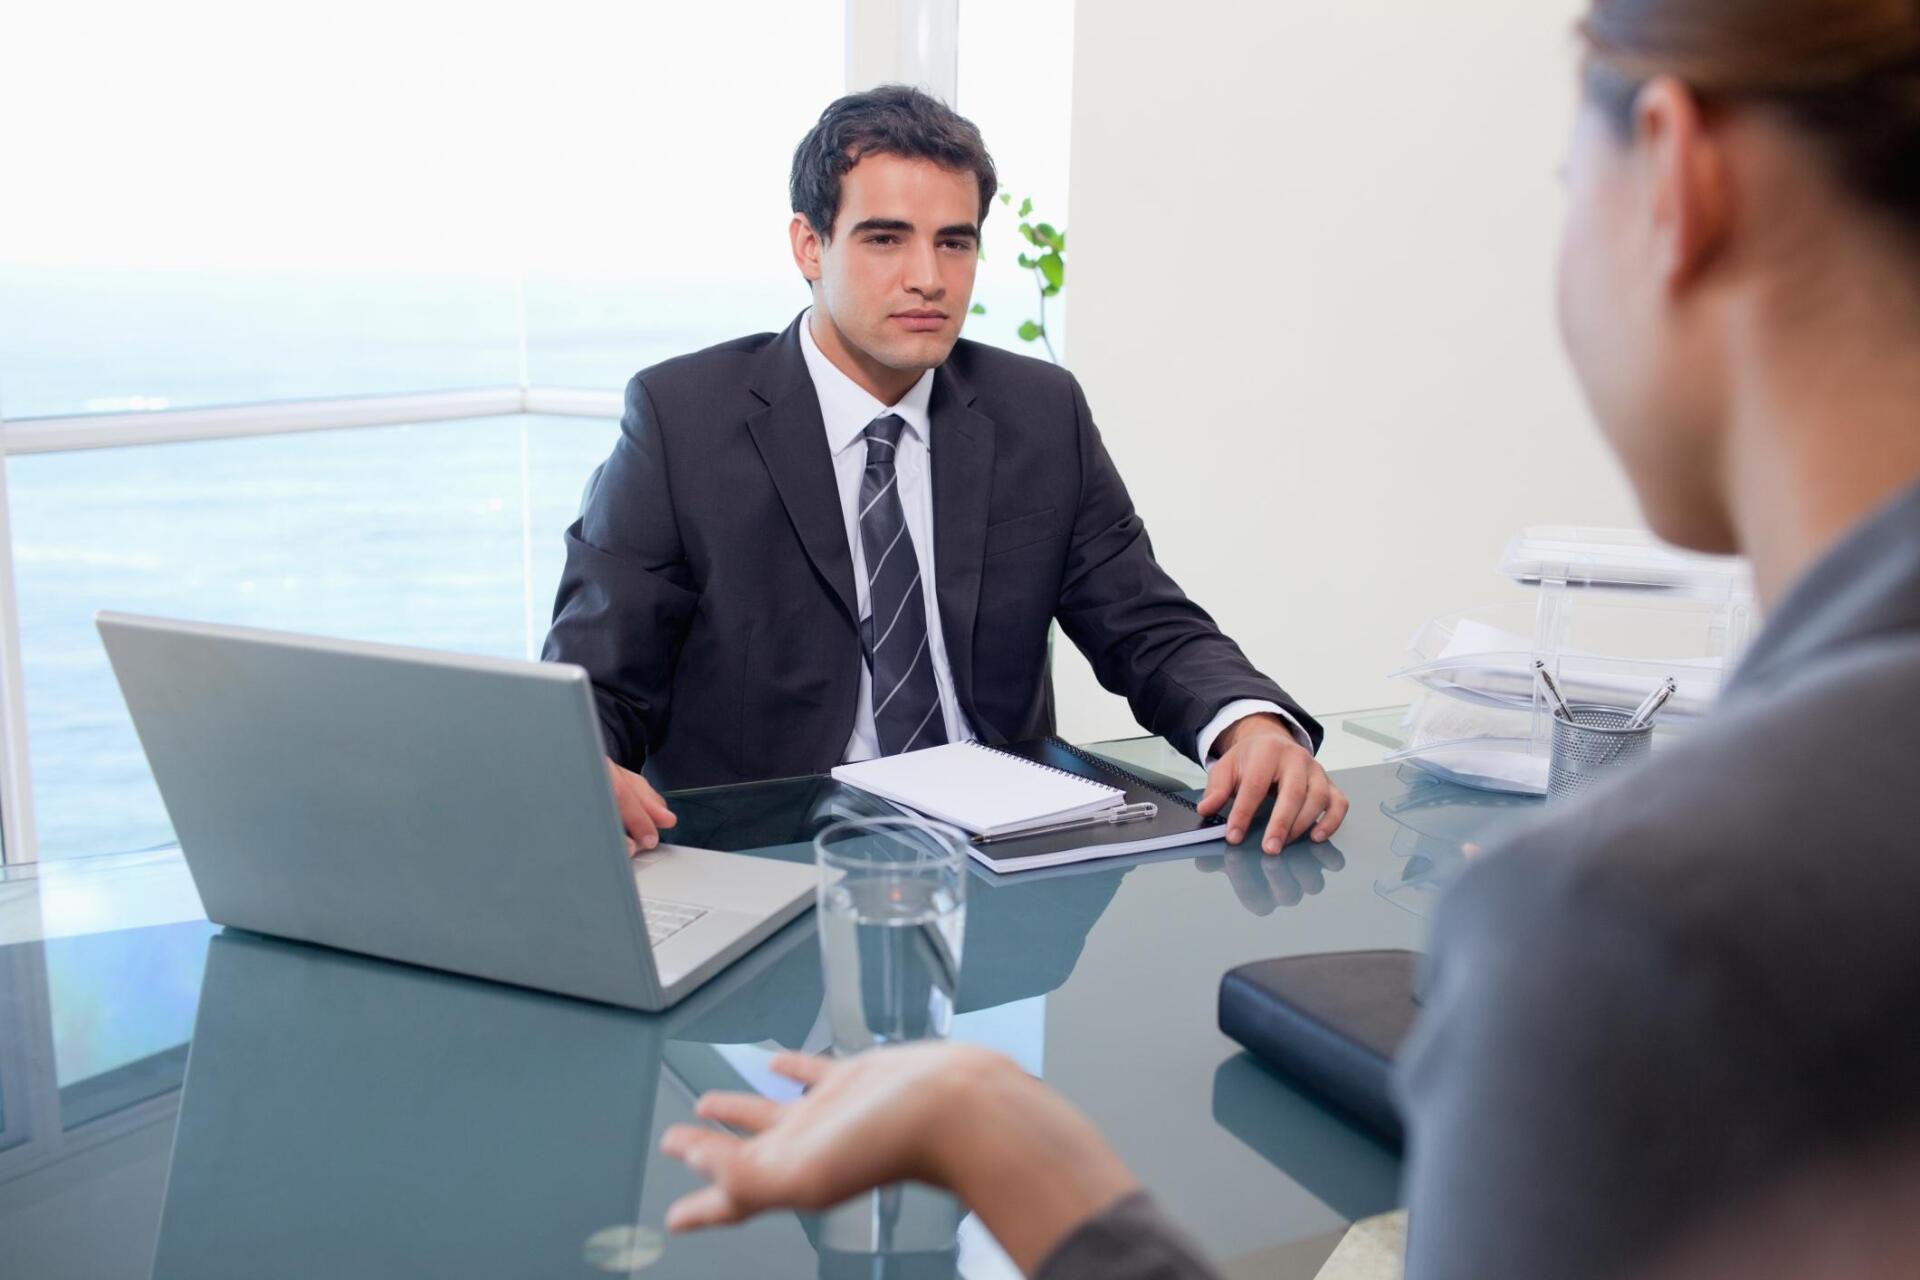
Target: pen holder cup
column 1591, row 748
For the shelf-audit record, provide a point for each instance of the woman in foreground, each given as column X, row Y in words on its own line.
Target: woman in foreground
column 1647, row 1020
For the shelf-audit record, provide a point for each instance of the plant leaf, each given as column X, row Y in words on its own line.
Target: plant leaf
column 1026, row 206
column 976, row 310
column 1032, row 237
column 1029, row 331
column 1027, row 262
column 1006, row 197
column 1048, row 236
column 1054, row 268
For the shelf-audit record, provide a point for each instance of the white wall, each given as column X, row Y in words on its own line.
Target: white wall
column 1311, row 284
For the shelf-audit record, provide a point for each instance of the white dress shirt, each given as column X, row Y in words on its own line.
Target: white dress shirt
column 846, row 409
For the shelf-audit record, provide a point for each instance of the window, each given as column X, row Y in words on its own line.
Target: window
column 443, row 534
column 227, row 205
column 224, row 204
column 1016, row 83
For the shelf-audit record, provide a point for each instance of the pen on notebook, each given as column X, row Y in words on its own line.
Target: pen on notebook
column 1644, row 713
column 1110, row 818
column 1546, row 680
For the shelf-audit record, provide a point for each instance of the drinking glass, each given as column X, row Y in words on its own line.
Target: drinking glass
column 892, row 911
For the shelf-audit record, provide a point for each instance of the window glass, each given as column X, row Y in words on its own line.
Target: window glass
column 1016, row 83
column 665, row 226
column 230, row 202
column 446, row 535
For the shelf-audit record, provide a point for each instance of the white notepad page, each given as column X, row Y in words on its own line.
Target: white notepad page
column 982, row 791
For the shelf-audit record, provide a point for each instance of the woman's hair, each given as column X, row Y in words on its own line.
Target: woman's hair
column 1845, row 73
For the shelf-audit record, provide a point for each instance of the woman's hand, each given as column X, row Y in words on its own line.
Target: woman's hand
column 863, row 1123
column 953, row 1116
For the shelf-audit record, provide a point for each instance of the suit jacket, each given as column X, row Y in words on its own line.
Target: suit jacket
column 708, row 587
column 1697, row 980
column 1689, row 985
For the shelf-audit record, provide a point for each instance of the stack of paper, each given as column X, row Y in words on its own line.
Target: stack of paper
column 982, row 791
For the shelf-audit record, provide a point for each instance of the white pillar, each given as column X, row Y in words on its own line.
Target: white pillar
column 912, row 42
column 16, row 780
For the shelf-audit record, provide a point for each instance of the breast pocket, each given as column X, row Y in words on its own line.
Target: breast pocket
column 1021, row 531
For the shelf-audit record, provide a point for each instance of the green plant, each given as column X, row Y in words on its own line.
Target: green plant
column 1049, row 267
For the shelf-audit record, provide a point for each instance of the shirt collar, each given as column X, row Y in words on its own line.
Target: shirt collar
column 845, row 406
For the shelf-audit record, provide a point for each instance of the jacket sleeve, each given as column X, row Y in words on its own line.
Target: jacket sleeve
column 627, row 594
column 1132, row 1240
column 1145, row 639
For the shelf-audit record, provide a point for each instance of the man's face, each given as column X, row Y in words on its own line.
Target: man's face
column 896, row 277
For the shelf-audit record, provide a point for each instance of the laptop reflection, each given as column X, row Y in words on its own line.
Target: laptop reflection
column 344, row 1116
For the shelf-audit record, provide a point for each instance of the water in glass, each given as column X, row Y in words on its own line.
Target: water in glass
column 892, row 914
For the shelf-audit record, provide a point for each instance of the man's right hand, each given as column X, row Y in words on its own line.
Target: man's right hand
column 642, row 812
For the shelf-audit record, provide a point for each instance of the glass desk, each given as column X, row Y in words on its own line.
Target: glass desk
column 341, row 1116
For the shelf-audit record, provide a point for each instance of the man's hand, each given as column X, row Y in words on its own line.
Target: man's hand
column 951, row 1115
column 1258, row 756
column 642, row 812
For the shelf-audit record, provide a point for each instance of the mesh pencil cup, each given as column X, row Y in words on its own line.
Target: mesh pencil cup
column 1594, row 746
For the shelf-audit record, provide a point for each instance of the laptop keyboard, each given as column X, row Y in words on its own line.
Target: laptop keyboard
column 664, row 919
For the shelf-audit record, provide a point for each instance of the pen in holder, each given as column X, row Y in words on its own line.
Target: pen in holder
column 1592, row 746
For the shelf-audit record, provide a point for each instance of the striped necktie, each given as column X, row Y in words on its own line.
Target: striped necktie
column 906, row 699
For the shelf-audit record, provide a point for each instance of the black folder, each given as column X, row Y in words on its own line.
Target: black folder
column 1177, row 822
column 1331, row 1023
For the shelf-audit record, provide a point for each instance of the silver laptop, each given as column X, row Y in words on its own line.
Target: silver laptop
column 441, row 809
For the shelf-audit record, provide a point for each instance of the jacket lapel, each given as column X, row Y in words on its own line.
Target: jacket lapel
column 792, row 441
column 962, row 443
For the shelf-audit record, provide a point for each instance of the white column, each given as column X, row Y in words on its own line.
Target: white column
column 912, row 42
column 16, row 780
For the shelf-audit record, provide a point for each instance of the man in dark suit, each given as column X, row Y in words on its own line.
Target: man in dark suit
column 851, row 538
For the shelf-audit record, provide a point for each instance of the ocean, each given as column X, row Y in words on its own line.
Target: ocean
column 442, row 534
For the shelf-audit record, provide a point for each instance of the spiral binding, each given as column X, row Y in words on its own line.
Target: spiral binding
column 1099, row 763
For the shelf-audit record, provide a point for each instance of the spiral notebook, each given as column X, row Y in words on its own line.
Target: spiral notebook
column 999, row 791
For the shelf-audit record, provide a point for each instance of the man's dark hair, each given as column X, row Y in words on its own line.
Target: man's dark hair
column 894, row 120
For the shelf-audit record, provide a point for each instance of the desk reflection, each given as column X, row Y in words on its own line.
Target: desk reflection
column 1266, row 882
column 345, row 1116
column 1437, row 827
column 1340, row 1164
